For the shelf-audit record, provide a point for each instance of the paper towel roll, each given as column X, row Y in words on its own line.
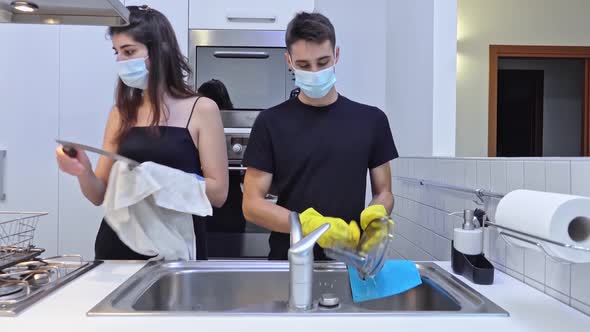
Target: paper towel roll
column 558, row 217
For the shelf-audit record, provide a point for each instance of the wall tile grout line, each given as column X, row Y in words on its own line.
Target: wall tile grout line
column 427, row 205
column 415, row 245
column 426, row 228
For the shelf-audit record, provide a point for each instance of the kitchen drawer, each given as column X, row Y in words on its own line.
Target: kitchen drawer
column 249, row 15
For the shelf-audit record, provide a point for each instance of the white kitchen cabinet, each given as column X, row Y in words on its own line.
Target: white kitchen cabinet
column 87, row 80
column 177, row 13
column 250, row 15
column 29, row 77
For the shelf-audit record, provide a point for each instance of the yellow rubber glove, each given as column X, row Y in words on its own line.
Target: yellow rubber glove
column 371, row 213
column 375, row 231
column 339, row 234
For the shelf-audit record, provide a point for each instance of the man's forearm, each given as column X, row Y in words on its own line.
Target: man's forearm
column 267, row 214
column 385, row 198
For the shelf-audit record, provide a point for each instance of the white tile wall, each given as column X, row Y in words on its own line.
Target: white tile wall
column 558, row 177
column 424, row 229
column 535, row 284
column 483, row 175
column 471, row 173
column 581, row 178
column 515, row 258
column 534, row 175
column 557, row 295
column 515, row 275
column 534, row 265
column 514, row 175
column 497, row 247
column 580, row 283
column 558, row 276
column 499, row 179
column 581, row 306
column 443, row 248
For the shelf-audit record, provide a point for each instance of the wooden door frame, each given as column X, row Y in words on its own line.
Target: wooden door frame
column 514, row 51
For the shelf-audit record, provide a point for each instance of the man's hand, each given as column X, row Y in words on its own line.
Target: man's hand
column 371, row 213
column 340, row 233
column 376, row 232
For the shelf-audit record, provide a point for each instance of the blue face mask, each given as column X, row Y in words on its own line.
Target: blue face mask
column 133, row 73
column 315, row 84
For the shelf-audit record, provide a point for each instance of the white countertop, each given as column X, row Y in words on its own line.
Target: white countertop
column 65, row 310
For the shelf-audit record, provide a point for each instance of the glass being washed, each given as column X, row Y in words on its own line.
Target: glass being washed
column 371, row 252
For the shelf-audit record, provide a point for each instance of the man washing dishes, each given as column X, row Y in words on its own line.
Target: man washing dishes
column 316, row 148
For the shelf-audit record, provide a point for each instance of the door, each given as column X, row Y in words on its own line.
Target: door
column 520, row 113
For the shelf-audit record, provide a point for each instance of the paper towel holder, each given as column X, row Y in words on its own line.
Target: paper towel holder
column 540, row 243
column 483, row 196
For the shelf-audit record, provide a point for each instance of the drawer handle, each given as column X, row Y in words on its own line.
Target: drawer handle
column 240, row 55
column 242, row 16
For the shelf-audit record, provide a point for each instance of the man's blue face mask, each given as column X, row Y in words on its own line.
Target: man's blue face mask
column 317, row 84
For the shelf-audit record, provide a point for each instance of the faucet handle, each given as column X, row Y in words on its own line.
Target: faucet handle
column 306, row 244
column 296, row 231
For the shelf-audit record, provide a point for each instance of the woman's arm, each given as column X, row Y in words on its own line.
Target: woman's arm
column 212, row 150
column 93, row 184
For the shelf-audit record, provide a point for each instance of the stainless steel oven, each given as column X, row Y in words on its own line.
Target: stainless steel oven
column 252, row 66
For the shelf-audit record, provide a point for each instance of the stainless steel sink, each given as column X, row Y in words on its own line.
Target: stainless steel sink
column 262, row 287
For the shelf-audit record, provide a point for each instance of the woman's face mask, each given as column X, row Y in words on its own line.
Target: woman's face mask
column 132, row 61
column 134, row 73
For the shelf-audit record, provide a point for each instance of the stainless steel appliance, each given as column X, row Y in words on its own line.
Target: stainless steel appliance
column 25, row 283
column 251, row 64
column 24, row 278
column 74, row 12
column 238, row 288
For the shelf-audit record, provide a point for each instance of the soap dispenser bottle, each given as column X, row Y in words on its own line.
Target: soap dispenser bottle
column 467, row 256
column 468, row 239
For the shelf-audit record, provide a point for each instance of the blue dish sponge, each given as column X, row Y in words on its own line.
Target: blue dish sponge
column 397, row 276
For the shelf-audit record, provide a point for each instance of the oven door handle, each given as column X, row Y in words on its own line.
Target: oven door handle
column 241, row 55
column 237, row 168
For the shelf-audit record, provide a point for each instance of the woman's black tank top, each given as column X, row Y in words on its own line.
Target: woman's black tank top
column 172, row 147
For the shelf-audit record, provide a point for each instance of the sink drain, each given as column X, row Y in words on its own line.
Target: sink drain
column 329, row 300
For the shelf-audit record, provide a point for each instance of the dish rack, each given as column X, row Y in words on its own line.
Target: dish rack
column 17, row 231
column 506, row 233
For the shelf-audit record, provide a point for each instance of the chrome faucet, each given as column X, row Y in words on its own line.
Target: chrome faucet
column 301, row 264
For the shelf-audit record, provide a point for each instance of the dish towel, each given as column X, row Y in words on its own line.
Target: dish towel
column 150, row 208
column 396, row 276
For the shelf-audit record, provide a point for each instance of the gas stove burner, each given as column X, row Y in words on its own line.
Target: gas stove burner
column 43, row 275
column 11, row 290
column 31, row 265
column 8, row 288
column 40, row 278
column 23, row 284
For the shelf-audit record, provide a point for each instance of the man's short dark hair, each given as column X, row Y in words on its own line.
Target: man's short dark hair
column 311, row 27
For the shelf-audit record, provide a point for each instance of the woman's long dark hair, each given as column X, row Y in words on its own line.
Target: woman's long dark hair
column 168, row 67
column 216, row 90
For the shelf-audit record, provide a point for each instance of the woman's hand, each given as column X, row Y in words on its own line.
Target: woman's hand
column 76, row 166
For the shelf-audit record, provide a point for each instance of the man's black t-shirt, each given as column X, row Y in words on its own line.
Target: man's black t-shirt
column 319, row 157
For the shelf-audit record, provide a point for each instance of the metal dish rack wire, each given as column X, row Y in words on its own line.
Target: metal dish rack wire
column 17, row 231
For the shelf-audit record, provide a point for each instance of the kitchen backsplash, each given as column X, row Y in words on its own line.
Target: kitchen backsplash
column 424, row 228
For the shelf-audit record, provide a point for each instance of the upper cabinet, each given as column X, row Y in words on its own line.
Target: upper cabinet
column 175, row 11
column 250, row 15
